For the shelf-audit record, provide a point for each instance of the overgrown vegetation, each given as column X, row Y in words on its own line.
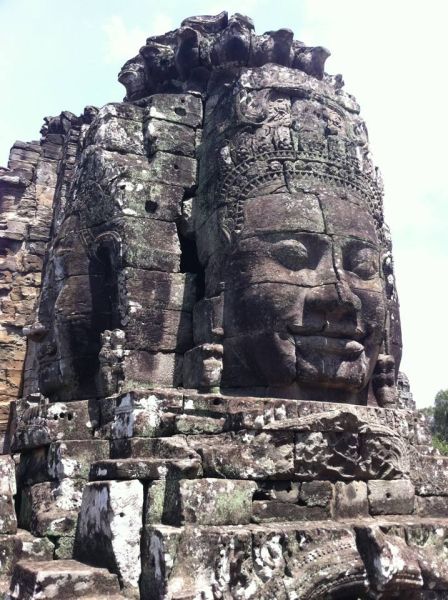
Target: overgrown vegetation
column 440, row 445
column 441, row 415
column 438, row 418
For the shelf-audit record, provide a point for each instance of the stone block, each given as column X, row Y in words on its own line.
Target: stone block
column 391, row 497
column 146, row 468
column 177, row 108
column 49, row 497
column 54, row 523
column 300, row 212
column 271, row 511
column 207, row 320
column 279, row 491
column 350, row 500
column 8, row 519
column 245, row 412
column 40, row 424
column 147, row 370
column 137, row 195
column 174, row 447
column 72, row 458
column 316, row 493
column 226, row 551
column 164, row 136
column 345, row 455
column 157, row 330
column 113, row 510
column 430, row 475
column 7, row 476
column 160, row 290
column 64, row 547
column 246, row 454
column 138, row 415
column 196, row 424
column 62, row 579
column 215, row 501
column 161, row 495
column 173, row 170
column 199, row 501
column 151, row 244
column 202, row 367
column 431, row 506
column 116, row 129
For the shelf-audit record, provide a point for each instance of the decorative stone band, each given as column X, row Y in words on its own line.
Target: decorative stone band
column 269, row 170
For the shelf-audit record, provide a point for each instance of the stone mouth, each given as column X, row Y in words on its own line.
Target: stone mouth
column 329, row 344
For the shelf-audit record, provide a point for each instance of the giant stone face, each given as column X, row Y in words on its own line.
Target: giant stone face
column 289, row 190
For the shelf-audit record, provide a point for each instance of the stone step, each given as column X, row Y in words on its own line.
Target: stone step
column 61, row 579
column 146, row 468
column 22, row 546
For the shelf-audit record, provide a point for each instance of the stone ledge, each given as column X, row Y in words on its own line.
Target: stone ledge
column 62, row 579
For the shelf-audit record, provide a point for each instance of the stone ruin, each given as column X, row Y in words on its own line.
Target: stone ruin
column 201, row 343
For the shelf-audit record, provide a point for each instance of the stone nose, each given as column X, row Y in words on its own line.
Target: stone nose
column 333, row 309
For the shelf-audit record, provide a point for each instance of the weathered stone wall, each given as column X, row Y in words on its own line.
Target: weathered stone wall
column 33, row 191
column 26, row 196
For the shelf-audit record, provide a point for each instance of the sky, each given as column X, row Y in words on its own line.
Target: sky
column 63, row 55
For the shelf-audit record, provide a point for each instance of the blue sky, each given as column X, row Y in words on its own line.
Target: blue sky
column 58, row 55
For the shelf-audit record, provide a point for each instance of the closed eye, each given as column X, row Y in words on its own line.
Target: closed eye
column 363, row 262
column 292, row 254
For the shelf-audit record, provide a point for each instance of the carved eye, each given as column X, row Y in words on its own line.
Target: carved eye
column 363, row 262
column 291, row 253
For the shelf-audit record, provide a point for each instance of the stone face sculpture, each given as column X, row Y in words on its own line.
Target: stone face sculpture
column 296, row 254
column 212, row 405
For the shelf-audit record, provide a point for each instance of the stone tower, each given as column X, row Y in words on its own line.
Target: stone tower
column 199, row 316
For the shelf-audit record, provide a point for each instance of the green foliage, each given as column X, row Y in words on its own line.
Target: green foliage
column 428, row 411
column 441, row 445
column 441, row 415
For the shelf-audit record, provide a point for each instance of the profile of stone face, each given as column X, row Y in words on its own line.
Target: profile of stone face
column 282, row 203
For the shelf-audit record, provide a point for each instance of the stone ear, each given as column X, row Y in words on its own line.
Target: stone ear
column 383, row 381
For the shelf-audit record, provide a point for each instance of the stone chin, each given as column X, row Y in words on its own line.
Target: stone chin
column 342, row 364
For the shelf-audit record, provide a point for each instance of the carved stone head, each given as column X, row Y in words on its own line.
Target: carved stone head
column 290, row 229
